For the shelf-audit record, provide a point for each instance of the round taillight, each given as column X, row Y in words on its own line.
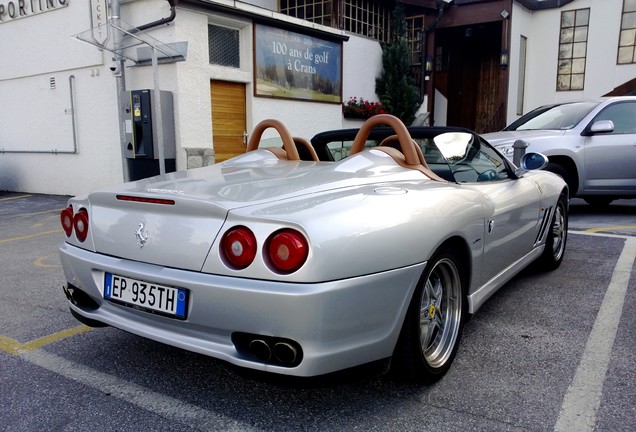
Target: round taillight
column 66, row 219
column 80, row 223
column 238, row 247
column 287, row 250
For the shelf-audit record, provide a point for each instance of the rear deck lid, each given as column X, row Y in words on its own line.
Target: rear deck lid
column 172, row 220
column 169, row 231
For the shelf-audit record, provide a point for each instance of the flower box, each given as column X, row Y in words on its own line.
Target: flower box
column 361, row 108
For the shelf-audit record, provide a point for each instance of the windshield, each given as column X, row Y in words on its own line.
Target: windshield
column 560, row 117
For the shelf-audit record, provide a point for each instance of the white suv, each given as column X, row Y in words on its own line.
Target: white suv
column 591, row 144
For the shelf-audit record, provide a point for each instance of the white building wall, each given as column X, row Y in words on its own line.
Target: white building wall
column 521, row 25
column 37, row 121
column 36, row 118
column 362, row 58
column 362, row 62
column 542, row 29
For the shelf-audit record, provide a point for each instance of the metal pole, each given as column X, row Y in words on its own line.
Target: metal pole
column 158, row 118
column 519, row 147
column 120, row 79
column 423, row 62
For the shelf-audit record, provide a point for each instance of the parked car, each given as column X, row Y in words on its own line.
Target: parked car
column 303, row 268
column 591, row 144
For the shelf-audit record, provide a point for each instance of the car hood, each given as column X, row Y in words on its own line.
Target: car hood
column 173, row 219
column 502, row 138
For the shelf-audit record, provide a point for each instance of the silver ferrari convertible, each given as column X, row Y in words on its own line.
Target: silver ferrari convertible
column 313, row 257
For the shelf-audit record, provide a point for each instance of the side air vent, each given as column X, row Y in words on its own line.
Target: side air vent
column 545, row 225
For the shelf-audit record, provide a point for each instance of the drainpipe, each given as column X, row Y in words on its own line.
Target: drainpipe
column 120, row 80
column 173, row 14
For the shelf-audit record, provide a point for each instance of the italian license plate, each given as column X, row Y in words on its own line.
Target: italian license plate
column 158, row 298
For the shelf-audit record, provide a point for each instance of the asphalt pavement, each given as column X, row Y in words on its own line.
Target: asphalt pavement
column 549, row 352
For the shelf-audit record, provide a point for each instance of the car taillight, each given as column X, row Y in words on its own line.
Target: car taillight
column 66, row 219
column 80, row 223
column 287, row 250
column 238, row 247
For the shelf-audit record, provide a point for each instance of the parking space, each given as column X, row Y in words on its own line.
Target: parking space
column 550, row 351
column 31, row 277
column 618, row 218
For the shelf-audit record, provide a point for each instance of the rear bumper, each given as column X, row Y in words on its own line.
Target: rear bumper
column 338, row 324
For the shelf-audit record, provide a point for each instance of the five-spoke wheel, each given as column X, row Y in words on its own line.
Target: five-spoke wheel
column 440, row 312
column 433, row 323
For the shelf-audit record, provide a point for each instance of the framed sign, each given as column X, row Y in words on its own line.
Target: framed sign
column 295, row 66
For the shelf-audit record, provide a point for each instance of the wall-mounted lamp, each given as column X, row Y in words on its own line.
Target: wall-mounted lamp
column 504, row 59
column 428, row 66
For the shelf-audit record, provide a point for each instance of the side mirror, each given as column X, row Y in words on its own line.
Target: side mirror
column 531, row 161
column 601, row 126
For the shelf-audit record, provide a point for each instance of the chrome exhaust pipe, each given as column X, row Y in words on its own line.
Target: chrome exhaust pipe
column 272, row 350
column 285, row 353
column 260, row 349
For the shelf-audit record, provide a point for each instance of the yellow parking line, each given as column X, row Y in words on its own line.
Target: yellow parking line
column 28, row 236
column 612, row 228
column 41, row 262
column 42, row 212
column 14, row 347
column 15, row 197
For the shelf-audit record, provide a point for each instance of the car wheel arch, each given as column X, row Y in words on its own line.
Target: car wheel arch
column 409, row 361
column 460, row 246
column 571, row 171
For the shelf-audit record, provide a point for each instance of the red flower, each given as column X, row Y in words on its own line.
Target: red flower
column 361, row 108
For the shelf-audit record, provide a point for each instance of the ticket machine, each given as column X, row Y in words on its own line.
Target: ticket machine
column 142, row 141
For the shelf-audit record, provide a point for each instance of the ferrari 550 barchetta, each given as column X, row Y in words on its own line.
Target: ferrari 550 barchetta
column 302, row 260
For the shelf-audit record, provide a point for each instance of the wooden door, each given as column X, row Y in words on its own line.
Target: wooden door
column 228, row 119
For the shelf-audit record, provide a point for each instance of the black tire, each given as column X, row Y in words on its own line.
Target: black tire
column 598, row 201
column 566, row 175
column 557, row 237
column 433, row 324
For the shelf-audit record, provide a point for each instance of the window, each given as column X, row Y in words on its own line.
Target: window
column 470, row 158
column 317, row 11
column 369, row 18
column 489, row 164
column 622, row 115
column 414, row 29
column 223, row 46
column 627, row 39
column 573, row 49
